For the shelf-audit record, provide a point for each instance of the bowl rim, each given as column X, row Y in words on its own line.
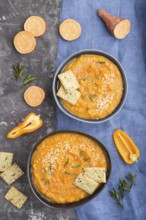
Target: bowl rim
column 42, row 198
column 84, row 52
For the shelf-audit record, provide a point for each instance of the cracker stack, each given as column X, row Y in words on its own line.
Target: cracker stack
column 10, row 173
column 68, row 89
column 90, row 179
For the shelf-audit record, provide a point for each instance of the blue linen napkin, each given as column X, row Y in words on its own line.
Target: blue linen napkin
column 131, row 52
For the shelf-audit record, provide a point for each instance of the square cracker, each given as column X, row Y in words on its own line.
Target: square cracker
column 68, row 80
column 6, row 160
column 12, row 174
column 16, row 197
column 86, row 184
column 97, row 174
column 72, row 96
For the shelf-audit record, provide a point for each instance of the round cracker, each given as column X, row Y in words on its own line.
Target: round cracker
column 34, row 96
column 24, row 42
column 35, row 25
column 70, row 29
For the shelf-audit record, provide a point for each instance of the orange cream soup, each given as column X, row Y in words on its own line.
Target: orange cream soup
column 101, row 86
column 57, row 162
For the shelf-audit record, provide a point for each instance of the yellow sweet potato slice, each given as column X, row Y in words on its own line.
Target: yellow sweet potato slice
column 119, row 27
column 125, row 146
column 34, row 96
column 70, row 29
column 24, row 42
column 35, row 25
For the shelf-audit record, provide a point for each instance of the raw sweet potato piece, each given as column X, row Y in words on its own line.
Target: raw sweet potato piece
column 34, row 96
column 24, row 42
column 119, row 27
column 70, row 29
column 35, row 25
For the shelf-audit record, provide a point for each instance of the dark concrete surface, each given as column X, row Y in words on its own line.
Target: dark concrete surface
column 42, row 64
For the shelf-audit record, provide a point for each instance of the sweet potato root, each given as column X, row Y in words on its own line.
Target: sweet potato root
column 119, row 27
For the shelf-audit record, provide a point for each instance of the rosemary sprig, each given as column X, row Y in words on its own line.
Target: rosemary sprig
column 66, row 162
column 19, row 70
column 81, row 154
column 124, row 185
column 70, row 174
column 85, row 78
column 28, row 79
column 92, row 97
column 101, row 62
column 97, row 77
column 76, row 165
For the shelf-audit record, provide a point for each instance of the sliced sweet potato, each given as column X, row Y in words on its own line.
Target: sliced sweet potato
column 35, row 25
column 34, row 96
column 24, row 42
column 119, row 27
column 70, row 29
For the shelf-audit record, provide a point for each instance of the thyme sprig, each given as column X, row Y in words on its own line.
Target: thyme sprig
column 124, row 185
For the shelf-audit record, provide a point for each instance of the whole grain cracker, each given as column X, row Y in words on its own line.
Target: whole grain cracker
column 6, row 159
column 68, row 80
column 12, row 174
column 71, row 96
column 15, row 197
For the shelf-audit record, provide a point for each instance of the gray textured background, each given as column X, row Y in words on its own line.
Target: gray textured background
column 41, row 63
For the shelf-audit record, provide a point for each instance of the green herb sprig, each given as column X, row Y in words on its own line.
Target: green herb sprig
column 70, row 174
column 124, row 185
column 19, row 70
column 76, row 165
column 81, row 154
column 66, row 162
column 28, row 79
column 18, row 74
column 85, row 78
column 101, row 62
column 92, row 97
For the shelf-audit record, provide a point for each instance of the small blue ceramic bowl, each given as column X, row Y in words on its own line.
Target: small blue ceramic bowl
column 75, row 55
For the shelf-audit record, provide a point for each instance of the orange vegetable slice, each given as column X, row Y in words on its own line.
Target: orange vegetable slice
column 24, row 42
column 70, row 29
column 126, row 147
column 35, row 25
column 34, row 96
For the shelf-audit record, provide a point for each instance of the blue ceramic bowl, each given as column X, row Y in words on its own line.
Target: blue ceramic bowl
column 56, row 85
